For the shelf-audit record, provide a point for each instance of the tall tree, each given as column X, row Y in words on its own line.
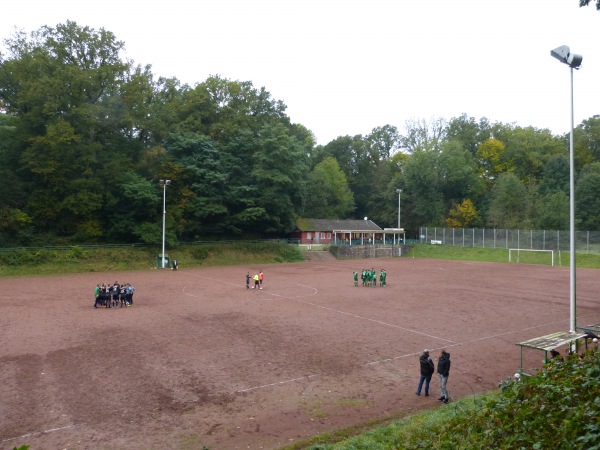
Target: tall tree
column 328, row 195
column 423, row 134
column 491, row 159
column 384, row 141
column 468, row 131
column 62, row 85
column 555, row 177
column 510, row 205
column 279, row 172
column 587, row 2
column 587, row 198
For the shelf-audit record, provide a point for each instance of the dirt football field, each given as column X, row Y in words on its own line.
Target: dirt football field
column 202, row 361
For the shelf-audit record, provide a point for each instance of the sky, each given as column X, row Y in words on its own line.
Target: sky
column 344, row 67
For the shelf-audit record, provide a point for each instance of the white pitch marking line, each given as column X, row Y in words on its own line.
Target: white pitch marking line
column 374, row 320
column 372, row 363
column 278, row 383
column 340, row 312
column 38, row 432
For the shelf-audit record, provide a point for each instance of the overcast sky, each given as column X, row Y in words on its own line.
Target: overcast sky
column 344, row 67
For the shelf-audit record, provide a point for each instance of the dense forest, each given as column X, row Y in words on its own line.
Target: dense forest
column 85, row 137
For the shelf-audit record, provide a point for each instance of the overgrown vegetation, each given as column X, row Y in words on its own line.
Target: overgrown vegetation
column 558, row 408
column 105, row 259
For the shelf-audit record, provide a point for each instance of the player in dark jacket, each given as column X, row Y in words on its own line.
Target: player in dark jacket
column 443, row 371
column 427, row 369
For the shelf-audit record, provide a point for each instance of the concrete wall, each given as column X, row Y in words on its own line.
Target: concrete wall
column 369, row 251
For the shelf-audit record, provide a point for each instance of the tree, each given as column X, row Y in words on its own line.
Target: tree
column 490, row 156
column 553, row 211
column 421, row 182
column 328, row 195
column 384, row 141
column 279, row 173
column 587, row 198
column 200, row 185
column 463, row 215
column 62, row 87
column 468, row 131
column 587, row 2
column 527, row 150
column 510, row 204
column 359, row 162
column 555, row 177
column 587, row 141
column 423, row 134
column 457, row 173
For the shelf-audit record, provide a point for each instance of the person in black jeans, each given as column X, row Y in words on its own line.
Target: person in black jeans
column 427, row 369
column 443, row 371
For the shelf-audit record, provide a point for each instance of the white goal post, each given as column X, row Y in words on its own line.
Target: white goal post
column 519, row 250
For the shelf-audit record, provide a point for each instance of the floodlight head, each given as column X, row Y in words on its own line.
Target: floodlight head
column 574, row 60
column 564, row 55
column 561, row 53
column 399, row 191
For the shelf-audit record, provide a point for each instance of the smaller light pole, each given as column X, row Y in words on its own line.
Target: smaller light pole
column 399, row 191
column 164, row 184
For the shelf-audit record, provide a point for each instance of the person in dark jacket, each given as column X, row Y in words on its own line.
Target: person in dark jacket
column 427, row 369
column 443, row 371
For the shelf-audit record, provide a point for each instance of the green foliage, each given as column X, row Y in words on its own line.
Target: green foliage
column 557, row 408
column 508, row 208
column 102, row 259
column 587, row 197
column 85, row 135
column 328, row 195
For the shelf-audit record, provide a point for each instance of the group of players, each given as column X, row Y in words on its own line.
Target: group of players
column 369, row 277
column 113, row 295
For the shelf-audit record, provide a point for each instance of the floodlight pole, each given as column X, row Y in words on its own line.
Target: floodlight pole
column 573, row 60
column 164, row 184
column 572, row 247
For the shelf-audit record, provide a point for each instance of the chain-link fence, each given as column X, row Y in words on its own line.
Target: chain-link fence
column 585, row 241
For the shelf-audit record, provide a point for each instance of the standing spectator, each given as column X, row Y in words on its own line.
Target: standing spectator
column 261, row 275
column 174, row 264
column 443, row 371
column 248, row 280
column 427, row 369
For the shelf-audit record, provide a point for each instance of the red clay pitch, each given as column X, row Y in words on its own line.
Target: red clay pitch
column 202, row 361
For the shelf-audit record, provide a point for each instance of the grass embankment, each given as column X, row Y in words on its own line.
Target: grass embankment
column 559, row 408
column 500, row 255
column 21, row 262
